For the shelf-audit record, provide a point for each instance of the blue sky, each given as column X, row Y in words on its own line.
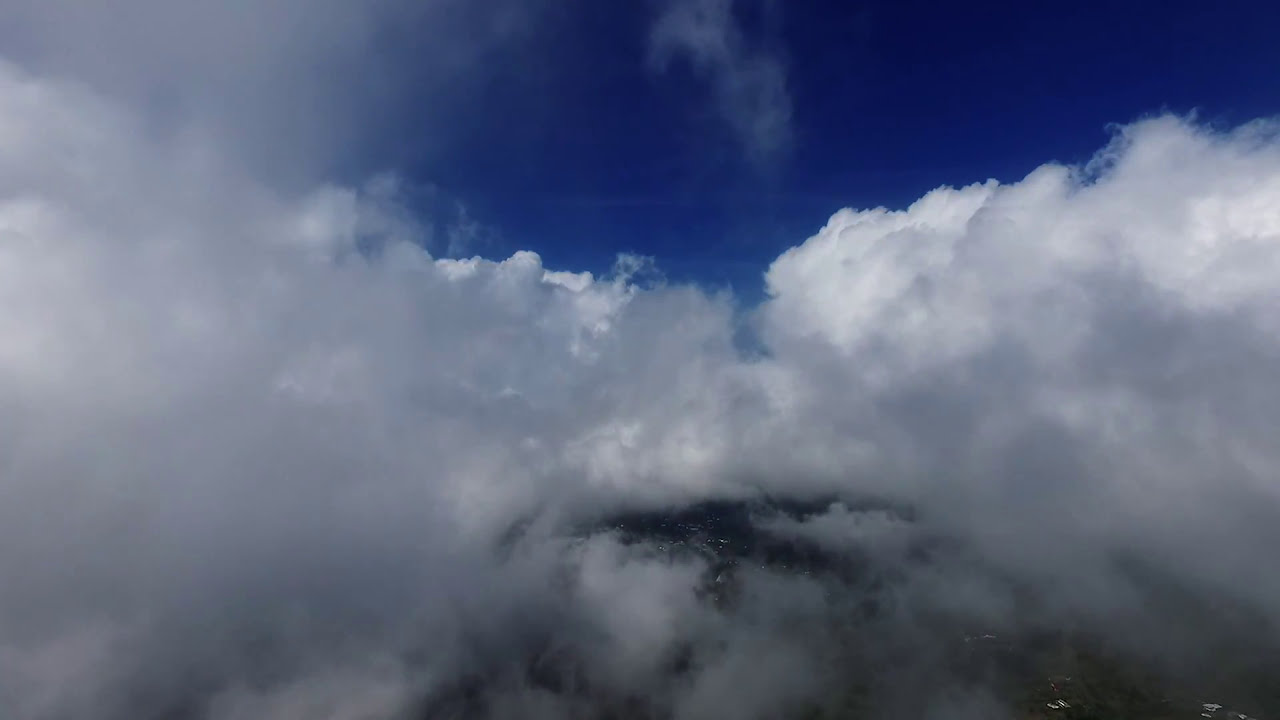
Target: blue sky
column 571, row 143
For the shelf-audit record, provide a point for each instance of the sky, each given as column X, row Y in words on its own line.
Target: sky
column 586, row 151
column 335, row 335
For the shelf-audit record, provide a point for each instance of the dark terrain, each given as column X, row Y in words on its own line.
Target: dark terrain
column 880, row 665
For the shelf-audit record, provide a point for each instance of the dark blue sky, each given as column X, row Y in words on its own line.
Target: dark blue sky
column 574, row 147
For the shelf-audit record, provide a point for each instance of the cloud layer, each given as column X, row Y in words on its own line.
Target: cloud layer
column 263, row 456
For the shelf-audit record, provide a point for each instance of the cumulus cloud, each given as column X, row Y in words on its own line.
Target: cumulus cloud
column 1085, row 352
column 263, row 455
column 748, row 80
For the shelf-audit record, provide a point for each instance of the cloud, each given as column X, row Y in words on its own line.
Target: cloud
column 1081, row 357
column 297, row 89
column 249, row 460
column 748, row 81
column 263, row 455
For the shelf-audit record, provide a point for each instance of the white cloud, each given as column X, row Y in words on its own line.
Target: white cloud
column 748, row 81
column 293, row 88
column 840, row 528
column 1082, row 355
column 224, row 425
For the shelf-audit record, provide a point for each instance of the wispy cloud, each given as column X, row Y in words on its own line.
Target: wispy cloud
column 747, row 79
